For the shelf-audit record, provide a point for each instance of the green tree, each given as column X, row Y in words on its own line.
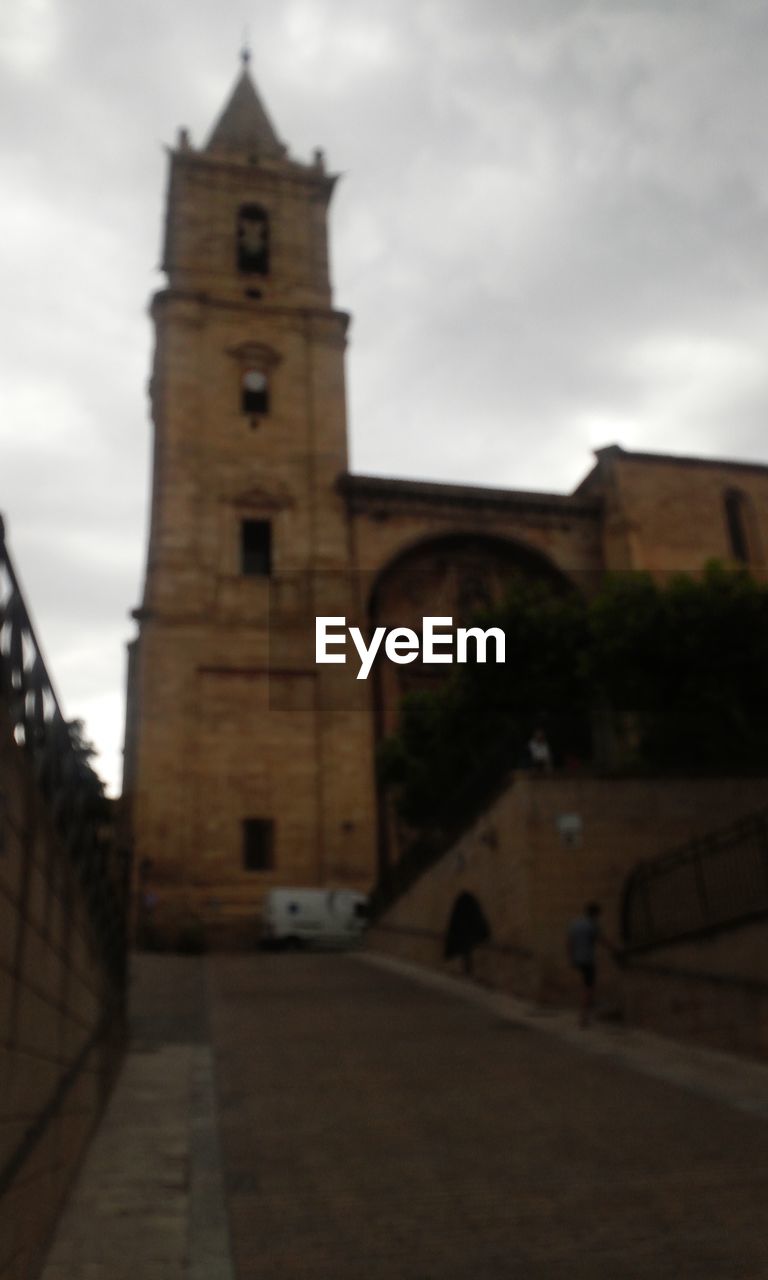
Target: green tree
column 454, row 747
column 680, row 667
column 687, row 661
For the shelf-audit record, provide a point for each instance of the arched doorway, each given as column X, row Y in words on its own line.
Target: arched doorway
column 456, row 575
column 468, row 928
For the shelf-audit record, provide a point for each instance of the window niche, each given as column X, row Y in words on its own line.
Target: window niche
column 258, row 843
column 737, row 522
column 252, row 240
column 255, row 548
column 254, row 392
column 256, row 364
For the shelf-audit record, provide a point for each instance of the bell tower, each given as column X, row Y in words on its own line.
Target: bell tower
column 246, row 765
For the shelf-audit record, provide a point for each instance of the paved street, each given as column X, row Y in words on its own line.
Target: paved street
column 373, row 1128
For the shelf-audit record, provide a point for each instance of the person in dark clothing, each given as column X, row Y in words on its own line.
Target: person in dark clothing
column 584, row 934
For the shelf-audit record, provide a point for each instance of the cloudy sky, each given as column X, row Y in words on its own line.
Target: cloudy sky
column 552, row 232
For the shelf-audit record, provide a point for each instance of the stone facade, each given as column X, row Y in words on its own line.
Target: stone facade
column 671, row 515
column 247, row 765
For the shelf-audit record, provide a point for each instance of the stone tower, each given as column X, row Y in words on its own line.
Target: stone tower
column 247, row 765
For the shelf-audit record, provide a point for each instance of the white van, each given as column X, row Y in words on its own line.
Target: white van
column 313, row 917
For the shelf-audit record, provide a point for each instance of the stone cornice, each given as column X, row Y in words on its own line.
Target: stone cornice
column 610, row 455
column 615, row 452
column 364, row 491
column 200, row 297
column 283, row 170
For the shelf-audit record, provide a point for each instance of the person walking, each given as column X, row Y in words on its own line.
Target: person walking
column 584, row 935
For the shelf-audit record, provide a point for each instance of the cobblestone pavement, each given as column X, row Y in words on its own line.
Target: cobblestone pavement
column 375, row 1129
column 372, row 1127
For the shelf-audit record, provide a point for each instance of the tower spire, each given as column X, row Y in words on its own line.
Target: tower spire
column 244, row 125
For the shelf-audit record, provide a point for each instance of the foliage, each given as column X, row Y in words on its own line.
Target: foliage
column 688, row 661
column 90, row 781
column 682, row 664
column 454, row 747
column 82, row 746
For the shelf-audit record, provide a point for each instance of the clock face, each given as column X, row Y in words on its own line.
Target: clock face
column 255, row 380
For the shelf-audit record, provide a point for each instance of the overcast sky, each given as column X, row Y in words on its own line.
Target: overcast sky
column 552, row 232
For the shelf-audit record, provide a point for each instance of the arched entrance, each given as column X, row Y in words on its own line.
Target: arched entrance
column 468, row 928
column 456, row 575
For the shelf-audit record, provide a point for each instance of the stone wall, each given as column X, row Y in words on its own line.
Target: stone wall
column 60, row 1018
column 667, row 514
column 713, row 989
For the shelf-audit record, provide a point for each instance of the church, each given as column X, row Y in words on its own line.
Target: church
column 247, row 764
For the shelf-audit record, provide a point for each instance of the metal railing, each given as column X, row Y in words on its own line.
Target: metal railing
column 67, row 787
column 707, row 884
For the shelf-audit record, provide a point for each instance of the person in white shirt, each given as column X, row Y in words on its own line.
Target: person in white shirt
column 538, row 750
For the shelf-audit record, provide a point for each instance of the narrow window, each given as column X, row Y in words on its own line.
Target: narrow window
column 256, row 548
column 254, row 392
column 258, row 844
column 252, row 240
column 735, row 512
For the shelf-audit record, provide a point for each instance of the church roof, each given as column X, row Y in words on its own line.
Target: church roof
column 617, row 453
column 244, row 124
column 383, row 491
